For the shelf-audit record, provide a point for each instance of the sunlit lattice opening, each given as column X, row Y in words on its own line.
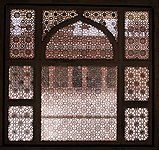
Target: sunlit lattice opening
column 20, row 123
column 79, row 41
column 79, row 103
column 136, row 124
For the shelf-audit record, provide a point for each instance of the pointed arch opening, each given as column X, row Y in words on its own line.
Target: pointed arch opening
column 79, row 40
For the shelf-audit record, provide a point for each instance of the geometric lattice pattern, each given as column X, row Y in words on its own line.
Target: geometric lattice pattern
column 20, row 82
column 136, row 124
column 52, row 18
column 78, row 103
column 20, row 123
column 109, row 19
column 79, row 129
column 79, row 41
column 137, row 34
column 136, row 84
column 22, row 28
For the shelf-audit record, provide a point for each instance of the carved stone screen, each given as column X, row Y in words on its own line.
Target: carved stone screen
column 136, row 124
column 79, row 103
column 137, row 35
column 20, row 82
column 86, row 73
column 136, row 84
column 22, row 28
column 20, row 123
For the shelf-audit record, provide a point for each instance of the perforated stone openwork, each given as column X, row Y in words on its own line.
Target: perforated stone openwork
column 20, row 123
column 109, row 19
column 137, row 34
column 52, row 18
column 136, row 124
column 79, row 100
column 22, row 28
column 79, row 41
column 79, row 103
column 136, row 84
column 20, row 82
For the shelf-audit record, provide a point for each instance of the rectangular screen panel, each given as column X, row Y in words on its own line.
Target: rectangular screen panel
column 20, row 123
column 136, row 124
column 79, row 103
column 136, row 84
column 21, row 82
column 137, row 34
column 22, row 28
